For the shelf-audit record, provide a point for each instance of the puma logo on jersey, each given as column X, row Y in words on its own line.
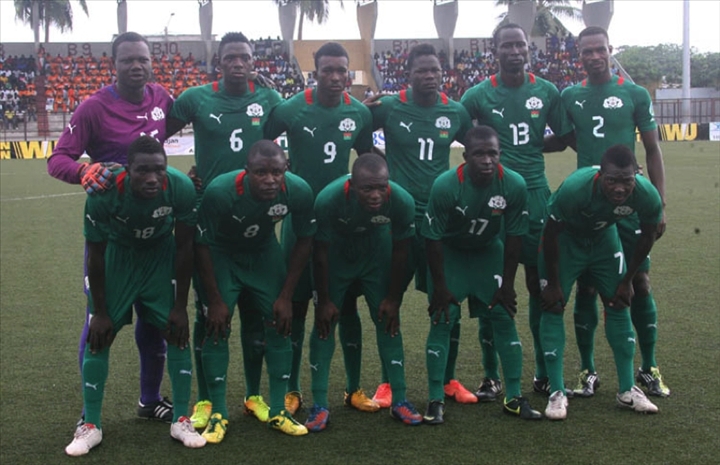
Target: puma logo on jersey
column 406, row 126
column 201, row 230
column 461, row 210
column 314, row 367
column 285, row 376
column 434, row 352
column 220, row 378
column 396, row 362
column 553, row 353
column 429, row 218
column 217, row 118
column 71, row 127
column 652, row 325
column 580, row 104
column 90, row 218
column 239, row 220
column 92, row 386
column 311, row 131
column 499, row 112
column 142, row 116
column 631, row 340
column 185, row 372
column 122, row 220
column 516, row 343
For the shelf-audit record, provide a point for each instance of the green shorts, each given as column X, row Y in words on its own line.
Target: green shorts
column 600, row 261
column 629, row 231
column 304, row 289
column 417, row 261
column 360, row 266
column 473, row 273
column 536, row 207
column 144, row 276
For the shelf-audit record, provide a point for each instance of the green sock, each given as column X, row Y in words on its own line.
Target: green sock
column 179, row 366
column 350, row 331
column 392, row 355
column 643, row 311
column 252, row 339
column 198, row 338
column 215, row 357
column 321, row 354
column 436, row 356
column 552, row 334
column 453, row 349
column 509, row 347
column 95, row 373
column 585, row 316
column 278, row 356
column 535, row 313
column 487, row 345
column 620, row 335
column 297, row 339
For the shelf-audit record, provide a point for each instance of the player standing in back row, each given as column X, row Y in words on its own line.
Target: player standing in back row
column 323, row 125
column 518, row 105
column 606, row 110
column 420, row 125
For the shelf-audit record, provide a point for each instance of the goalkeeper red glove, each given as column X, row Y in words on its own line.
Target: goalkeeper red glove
column 97, row 177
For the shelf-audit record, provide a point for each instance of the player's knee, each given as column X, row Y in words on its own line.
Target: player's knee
column 641, row 284
column 532, row 281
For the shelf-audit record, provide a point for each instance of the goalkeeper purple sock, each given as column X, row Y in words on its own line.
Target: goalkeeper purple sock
column 152, row 349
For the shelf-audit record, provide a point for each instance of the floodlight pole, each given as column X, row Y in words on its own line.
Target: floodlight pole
column 167, row 39
column 686, row 63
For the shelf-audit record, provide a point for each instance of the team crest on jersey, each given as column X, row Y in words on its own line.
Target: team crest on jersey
column 612, row 103
column 157, row 114
column 162, row 211
column 443, row 123
column 534, row 104
column 347, row 126
column 498, row 204
column 623, row 210
column 278, row 211
column 255, row 111
column 380, row 219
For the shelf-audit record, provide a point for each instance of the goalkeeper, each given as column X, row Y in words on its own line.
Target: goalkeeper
column 103, row 126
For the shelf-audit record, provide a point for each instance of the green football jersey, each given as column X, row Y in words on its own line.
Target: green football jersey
column 519, row 115
column 606, row 115
column 117, row 216
column 417, row 140
column 225, row 126
column 466, row 216
column 340, row 215
column 232, row 221
column 320, row 138
column 581, row 205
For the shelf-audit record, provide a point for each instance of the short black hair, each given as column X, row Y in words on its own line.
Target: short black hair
column 127, row 37
column 144, row 144
column 264, row 148
column 371, row 162
column 593, row 31
column 501, row 27
column 619, row 155
column 420, row 50
column 479, row 133
column 330, row 49
column 231, row 37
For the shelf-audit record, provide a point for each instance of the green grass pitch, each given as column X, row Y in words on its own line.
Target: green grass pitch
column 42, row 308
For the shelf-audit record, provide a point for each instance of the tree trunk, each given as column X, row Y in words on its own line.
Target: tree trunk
column 47, row 31
column 35, row 18
column 300, row 26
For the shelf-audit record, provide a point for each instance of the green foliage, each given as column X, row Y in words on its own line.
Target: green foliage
column 548, row 16
column 314, row 10
column 652, row 65
column 42, row 308
column 705, row 70
column 56, row 13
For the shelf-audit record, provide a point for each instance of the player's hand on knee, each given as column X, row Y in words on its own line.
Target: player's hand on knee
column 389, row 312
column 326, row 314
column 440, row 305
column 217, row 324
column 507, row 298
column 623, row 295
column 97, row 177
column 661, row 226
column 282, row 316
column 100, row 333
column 177, row 331
column 552, row 299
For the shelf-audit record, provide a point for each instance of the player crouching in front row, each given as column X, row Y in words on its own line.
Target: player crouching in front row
column 133, row 256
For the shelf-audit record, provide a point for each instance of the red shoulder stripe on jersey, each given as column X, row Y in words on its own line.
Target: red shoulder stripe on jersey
column 531, row 78
column 460, row 173
column 443, row 98
column 283, row 186
column 346, row 189
column 120, row 182
column 251, row 86
column 346, row 96
column 584, row 82
column 501, row 171
column 595, row 179
column 494, row 80
column 403, row 96
column 216, row 86
column 621, row 80
column 165, row 184
column 239, row 187
column 389, row 191
column 308, row 96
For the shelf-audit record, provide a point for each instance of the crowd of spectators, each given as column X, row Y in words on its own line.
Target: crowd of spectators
column 17, row 91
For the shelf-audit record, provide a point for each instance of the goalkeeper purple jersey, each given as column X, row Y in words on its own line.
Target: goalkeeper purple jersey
column 104, row 125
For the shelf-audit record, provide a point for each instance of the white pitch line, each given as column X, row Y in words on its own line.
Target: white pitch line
column 37, row 197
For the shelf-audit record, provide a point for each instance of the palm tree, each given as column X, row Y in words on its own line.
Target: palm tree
column 548, row 16
column 313, row 10
column 57, row 13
